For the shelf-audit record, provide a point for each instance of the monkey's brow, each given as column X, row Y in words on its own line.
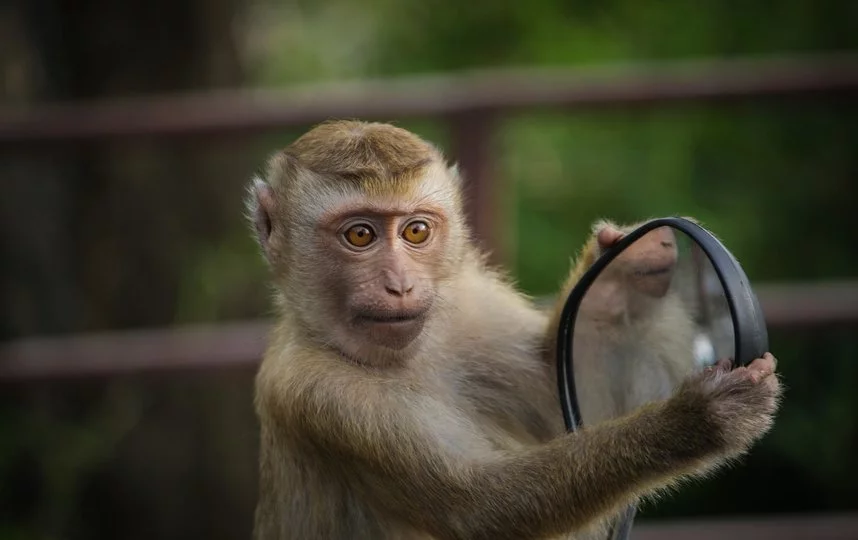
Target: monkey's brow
column 380, row 212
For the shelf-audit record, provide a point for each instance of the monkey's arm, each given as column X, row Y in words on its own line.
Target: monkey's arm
column 419, row 467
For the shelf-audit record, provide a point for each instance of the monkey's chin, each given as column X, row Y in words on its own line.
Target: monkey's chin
column 390, row 329
column 654, row 282
column 396, row 335
column 381, row 344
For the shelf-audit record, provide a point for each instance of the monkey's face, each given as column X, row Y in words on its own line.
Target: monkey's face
column 386, row 272
column 364, row 270
column 361, row 226
column 648, row 265
column 636, row 279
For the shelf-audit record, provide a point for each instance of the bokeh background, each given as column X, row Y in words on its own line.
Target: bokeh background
column 133, row 233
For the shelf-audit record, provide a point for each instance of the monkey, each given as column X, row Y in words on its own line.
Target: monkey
column 404, row 392
column 634, row 332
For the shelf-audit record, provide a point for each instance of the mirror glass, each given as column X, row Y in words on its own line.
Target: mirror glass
column 654, row 315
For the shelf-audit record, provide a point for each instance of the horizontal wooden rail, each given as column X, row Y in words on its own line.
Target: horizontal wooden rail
column 789, row 527
column 240, row 345
column 231, row 112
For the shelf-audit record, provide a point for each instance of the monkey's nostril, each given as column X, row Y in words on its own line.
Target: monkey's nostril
column 399, row 287
column 395, row 291
column 667, row 244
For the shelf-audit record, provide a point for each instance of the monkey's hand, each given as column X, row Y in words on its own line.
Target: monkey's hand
column 740, row 404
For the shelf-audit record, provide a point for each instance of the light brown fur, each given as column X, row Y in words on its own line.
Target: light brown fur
column 448, row 425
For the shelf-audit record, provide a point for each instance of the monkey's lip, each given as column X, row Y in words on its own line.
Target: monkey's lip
column 392, row 317
column 657, row 271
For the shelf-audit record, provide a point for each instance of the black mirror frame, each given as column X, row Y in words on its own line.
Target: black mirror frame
column 751, row 338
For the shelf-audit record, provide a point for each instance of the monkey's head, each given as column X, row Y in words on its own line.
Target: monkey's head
column 649, row 263
column 361, row 224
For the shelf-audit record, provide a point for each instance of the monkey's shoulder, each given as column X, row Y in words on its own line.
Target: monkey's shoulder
column 492, row 314
column 293, row 377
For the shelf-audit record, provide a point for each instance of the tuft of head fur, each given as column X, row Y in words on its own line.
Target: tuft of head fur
column 377, row 156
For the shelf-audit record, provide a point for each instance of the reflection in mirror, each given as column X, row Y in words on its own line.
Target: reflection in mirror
column 654, row 315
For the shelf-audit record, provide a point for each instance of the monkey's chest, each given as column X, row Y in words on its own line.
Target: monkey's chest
column 510, row 417
column 509, row 428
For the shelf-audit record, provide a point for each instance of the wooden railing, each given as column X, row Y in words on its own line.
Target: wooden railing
column 821, row 527
column 239, row 345
column 471, row 103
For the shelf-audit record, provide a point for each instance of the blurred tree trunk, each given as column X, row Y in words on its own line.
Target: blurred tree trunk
column 94, row 236
column 92, row 242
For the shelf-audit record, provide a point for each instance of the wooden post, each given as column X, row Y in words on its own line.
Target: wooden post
column 472, row 135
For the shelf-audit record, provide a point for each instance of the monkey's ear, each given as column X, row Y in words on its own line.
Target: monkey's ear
column 261, row 205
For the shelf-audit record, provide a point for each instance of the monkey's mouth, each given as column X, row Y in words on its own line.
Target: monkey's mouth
column 392, row 317
column 394, row 328
column 657, row 271
column 653, row 281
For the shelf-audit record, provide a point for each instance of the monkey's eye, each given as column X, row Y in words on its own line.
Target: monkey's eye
column 416, row 232
column 359, row 236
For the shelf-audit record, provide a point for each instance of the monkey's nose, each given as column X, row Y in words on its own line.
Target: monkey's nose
column 398, row 284
column 399, row 288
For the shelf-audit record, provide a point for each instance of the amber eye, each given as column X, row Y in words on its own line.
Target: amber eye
column 416, row 232
column 359, row 236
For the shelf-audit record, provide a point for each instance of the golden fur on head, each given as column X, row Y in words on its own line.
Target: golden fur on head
column 380, row 157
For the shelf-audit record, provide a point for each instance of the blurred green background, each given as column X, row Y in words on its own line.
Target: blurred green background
column 120, row 235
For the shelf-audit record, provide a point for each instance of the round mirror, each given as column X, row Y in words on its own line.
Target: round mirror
column 665, row 301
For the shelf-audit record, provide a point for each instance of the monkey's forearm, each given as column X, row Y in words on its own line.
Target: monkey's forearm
column 580, row 477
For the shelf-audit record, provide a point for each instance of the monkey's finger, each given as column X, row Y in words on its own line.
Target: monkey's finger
column 762, row 367
column 724, row 364
column 609, row 236
column 721, row 366
column 766, row 363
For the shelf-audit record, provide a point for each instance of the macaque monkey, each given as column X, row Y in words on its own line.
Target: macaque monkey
column 633, row 339
column 406, row 391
